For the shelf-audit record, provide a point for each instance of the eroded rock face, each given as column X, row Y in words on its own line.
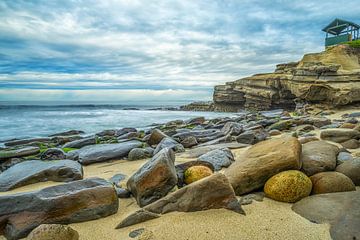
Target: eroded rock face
column 103, row 152
column 154, row 179
column 34, row 171
column 252, row 169
column 337, row 68
column 78, row 201
column 341, row 210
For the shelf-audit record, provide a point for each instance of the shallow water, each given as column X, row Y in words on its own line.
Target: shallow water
column 22, row 121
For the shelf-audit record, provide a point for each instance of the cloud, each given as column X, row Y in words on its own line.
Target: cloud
column 153, row 45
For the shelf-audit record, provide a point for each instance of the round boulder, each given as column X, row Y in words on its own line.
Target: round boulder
column 328, row 182
column 196, row 173
column 54, row 232
column 351, row 169
column 288, row 186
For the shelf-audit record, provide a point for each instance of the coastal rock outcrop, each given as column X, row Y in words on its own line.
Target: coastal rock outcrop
column 67, row 203
column 330, row 77
column 34, row 171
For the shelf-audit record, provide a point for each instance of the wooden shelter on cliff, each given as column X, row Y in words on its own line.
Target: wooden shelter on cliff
column 339, row 31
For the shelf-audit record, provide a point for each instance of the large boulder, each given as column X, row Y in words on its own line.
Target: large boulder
column 288, row 186
column 318, row 156
column 339, row 135
column 252, row 169
column 351, row 169
column 81, row 142
column 341, row 210
column 34, row 171
column 103, row 152
column 22, row 152
column 219, row 158
column 154, row 179
column 329, row 182
column 156, row 136
column 53, row 232
column 78, row 201
column 168, row 142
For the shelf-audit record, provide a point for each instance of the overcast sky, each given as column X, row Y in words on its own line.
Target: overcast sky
column 152, row 50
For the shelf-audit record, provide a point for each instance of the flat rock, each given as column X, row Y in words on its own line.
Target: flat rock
column 62, row 204
column 22, row 152
column 341, row 210
column 103, row 152
column 67, row 133
column 219, row 158
column 318, row 156
column 198, row 151
column 255, row 166
column 26, row 141
column 339, row 135
column 154, row 179
column 34, row 171
column 80, row 143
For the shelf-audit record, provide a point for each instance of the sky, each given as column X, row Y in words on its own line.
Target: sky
column 142, row 50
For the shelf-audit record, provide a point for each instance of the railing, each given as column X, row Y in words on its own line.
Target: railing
column 337, row 39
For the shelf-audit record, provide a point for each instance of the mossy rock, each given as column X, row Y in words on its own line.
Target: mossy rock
column 66, row 150
column 288, row 186
column 195, row 173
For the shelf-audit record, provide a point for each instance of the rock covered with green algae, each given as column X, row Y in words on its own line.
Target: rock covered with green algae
column 288, row 186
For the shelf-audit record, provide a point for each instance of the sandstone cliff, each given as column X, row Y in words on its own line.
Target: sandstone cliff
column 331, row 77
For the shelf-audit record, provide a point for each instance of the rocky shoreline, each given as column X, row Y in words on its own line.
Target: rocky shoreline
column 291, row 157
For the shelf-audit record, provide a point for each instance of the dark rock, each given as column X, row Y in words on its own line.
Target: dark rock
column 189, row 142
column 60, row 140
column 68, row 133
column 318, row 156
column 124, row 131
column 103, row 152
column 198, row 151
column 283, row 125
column 354, row 115
column 63, row 204
column 232, row 128
column 181, row 168
column 81, row 143
column 219, row 158
column 26, row 141
column 117, row 178
column 108, row 132
column 196, row 120
column 170, row 143
column 136, row 232
column 122, row 192
column 129, row 135
column 252, row 136
column 351, row 168
column 339, row 135
column 154, row 179
column 22, row 152
column 137, row 217
column 53, row 154
column 155, row 137
column 34, row 171
column 341, row 210
column 9, row 163
column 140, row 153
column 248, row 199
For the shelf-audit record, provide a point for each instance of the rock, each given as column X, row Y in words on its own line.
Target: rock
column 304, row 140
column 53, row 154
column 274, row 132
column 168, row 142
column 232, row 128
column 117, row 178
column 64, row 204
column 140, row 153
column 248, row 199
column 154, row 179
column 26, row 141
column 9, row 163
column 155, row 137
column 34, row 171
column 351, row 144
column 282, row 125
column 252, row 169
column 53, row 232
column 107, row 132
column 331, row 126
column 137, row 217
column 351, row 169
column 196, row 120
column 81, row 143
column 68, row 133
column 195, row 173
column 341, row 210
column 318, row 156
column 129, row 135
column 339, row 135
column 124, row 131
column 212, row 192
column 348, row 125
column 122, row 192
column 252, row 136
column 198, row 151
column 103, row 152
column 288, row 186
column 329, row 182
column 343, row 157
column 181, row 168
column 189, row 142
column 22, row 152
column 219, row 158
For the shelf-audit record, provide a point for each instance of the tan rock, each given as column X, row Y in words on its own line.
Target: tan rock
column 53, row 232
column 263, row 160
column 328, row 182
column 288, row 186
column 156, row 136
column 351, row 169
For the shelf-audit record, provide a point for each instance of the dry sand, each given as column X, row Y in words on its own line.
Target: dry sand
column 264, row 220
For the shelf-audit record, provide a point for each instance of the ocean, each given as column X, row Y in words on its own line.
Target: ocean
column 39, row 119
